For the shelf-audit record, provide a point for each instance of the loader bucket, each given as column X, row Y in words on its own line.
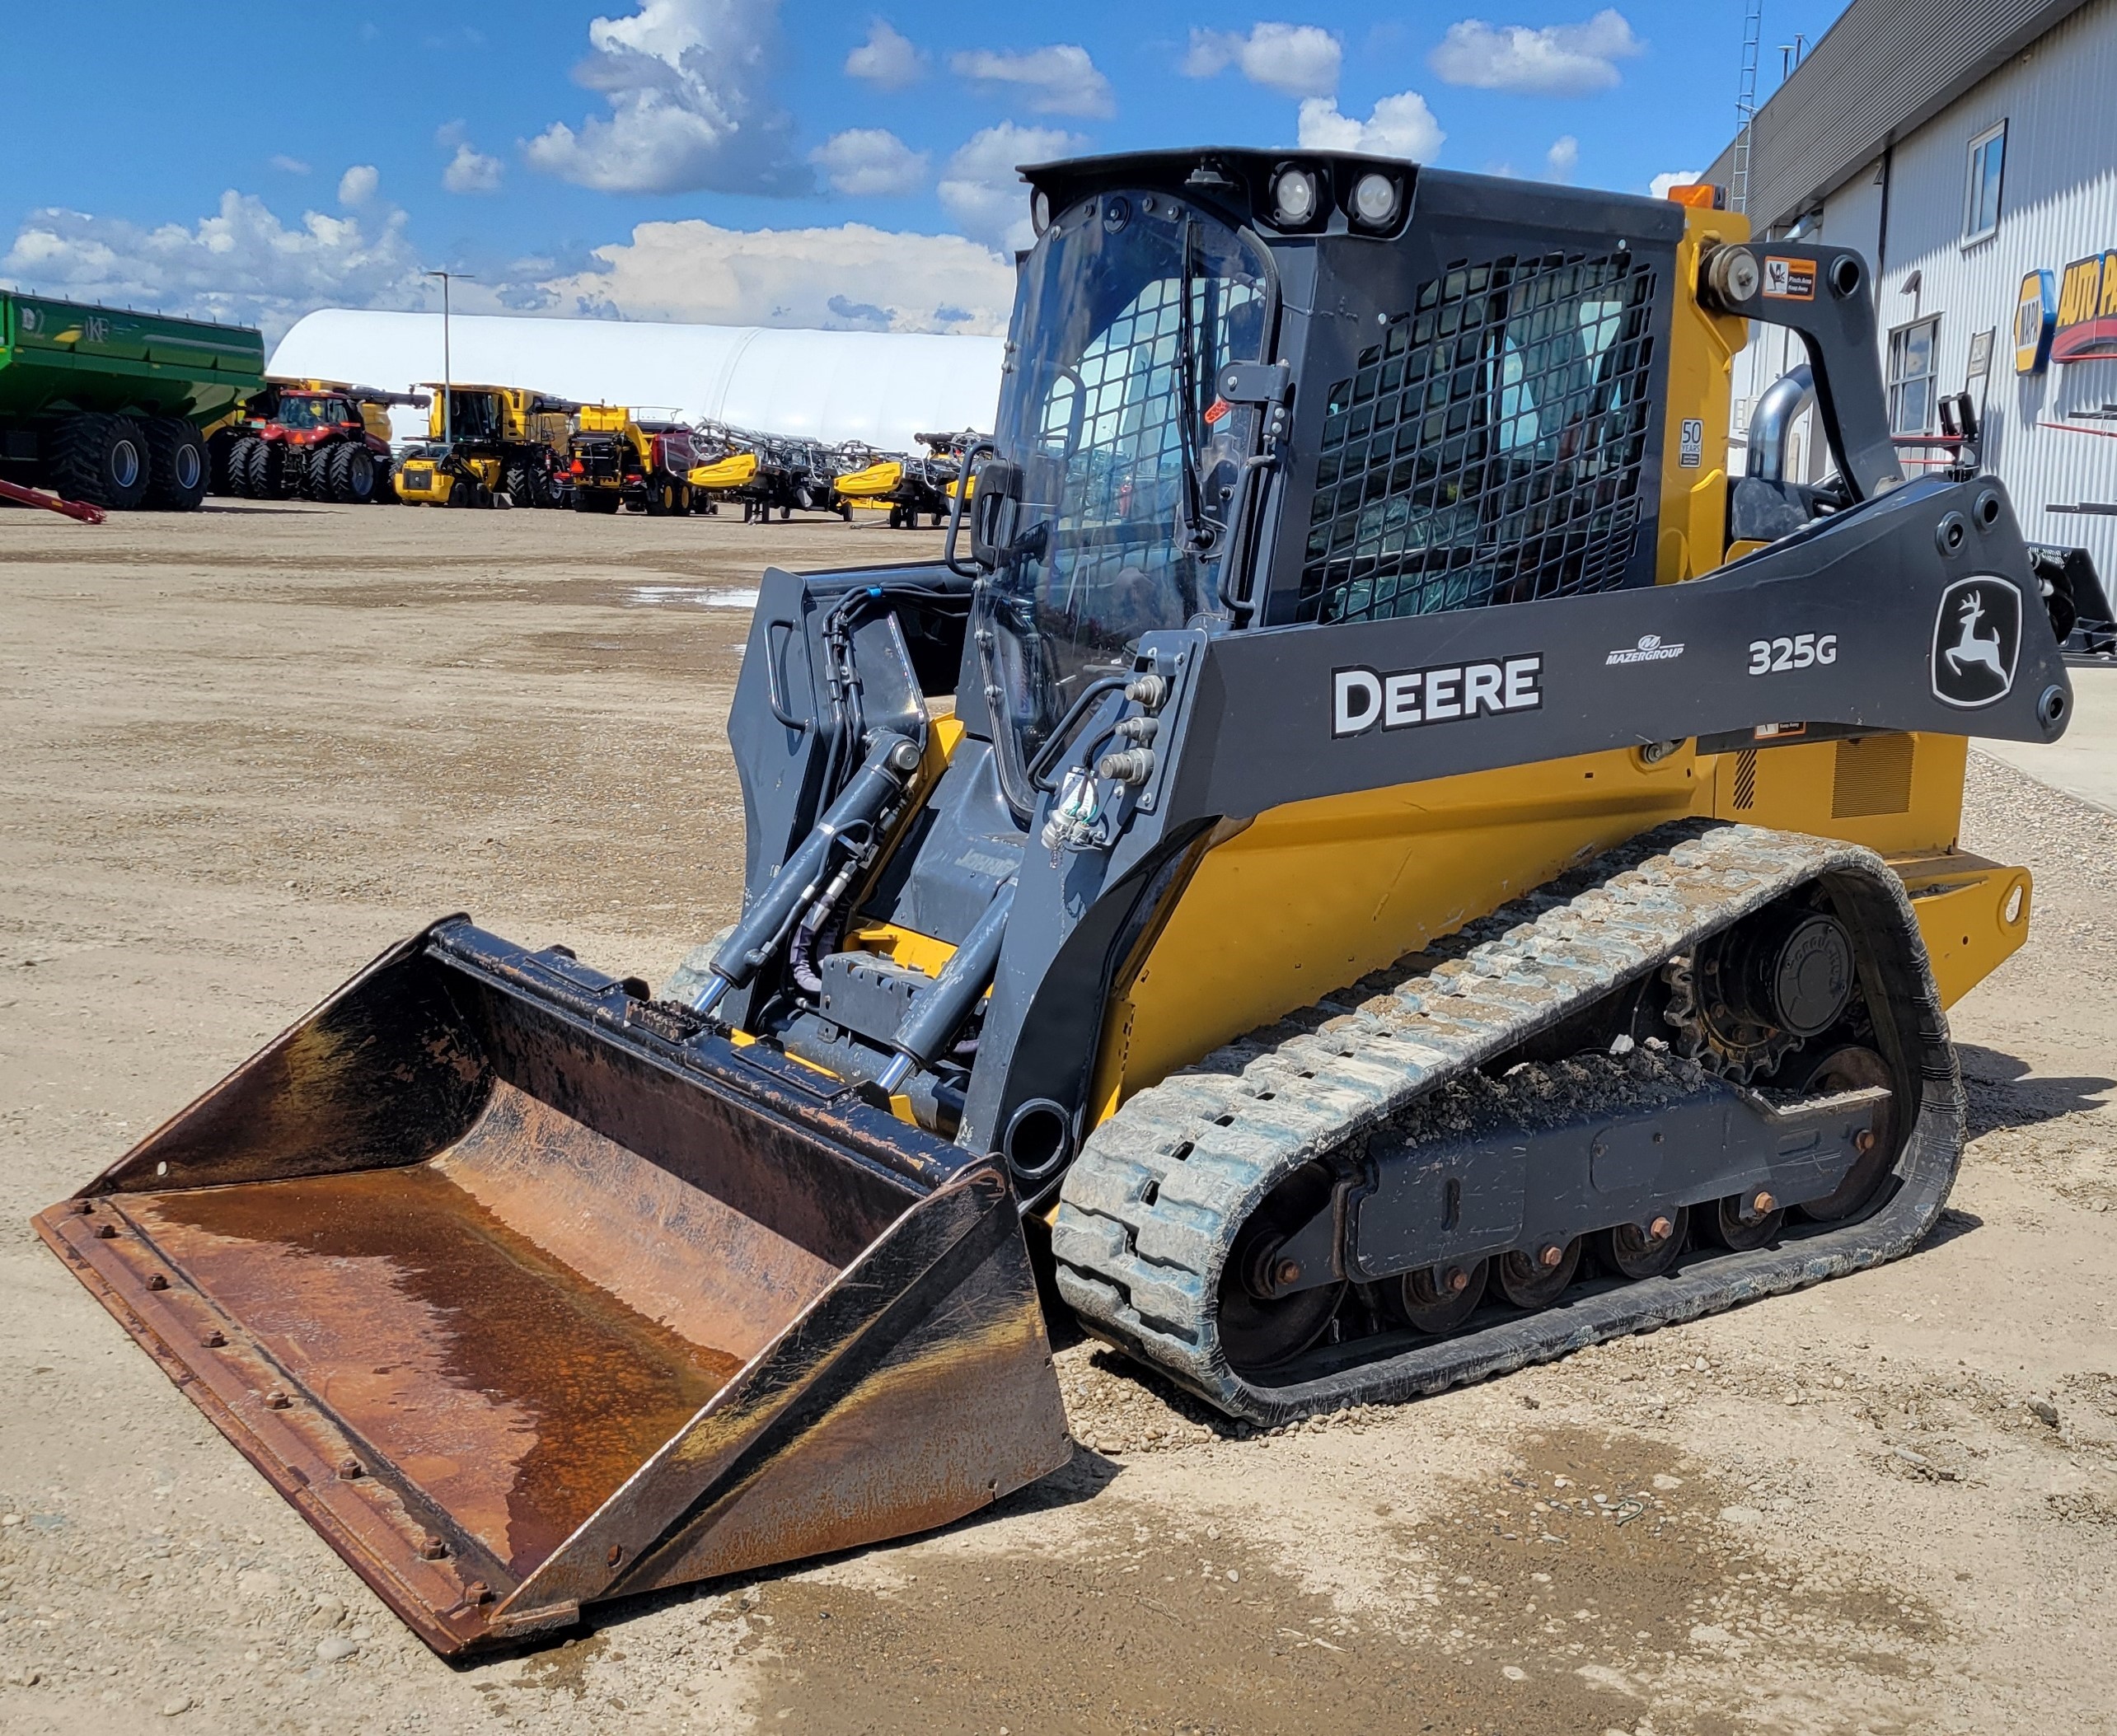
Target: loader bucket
column 529, row 1293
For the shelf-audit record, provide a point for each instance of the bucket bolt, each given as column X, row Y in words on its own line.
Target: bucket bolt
column 431, row 1547
column 350, row 1469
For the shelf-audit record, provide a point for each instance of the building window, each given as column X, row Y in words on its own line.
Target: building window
column 1981, row 197
column 1912, row 350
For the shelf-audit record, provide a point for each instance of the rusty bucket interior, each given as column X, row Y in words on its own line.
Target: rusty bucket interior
column 528, row 1293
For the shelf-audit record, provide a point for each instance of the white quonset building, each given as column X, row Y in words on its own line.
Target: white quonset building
column 883, row 389
column 1969, row 149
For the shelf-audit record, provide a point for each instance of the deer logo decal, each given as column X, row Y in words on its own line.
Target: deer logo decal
column 1977, row 636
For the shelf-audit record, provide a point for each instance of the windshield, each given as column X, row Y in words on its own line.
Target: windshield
column 474, row 416
column 1127, row 309
column 309, row 412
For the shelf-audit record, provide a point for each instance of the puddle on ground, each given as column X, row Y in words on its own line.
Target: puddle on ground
column 701, row 597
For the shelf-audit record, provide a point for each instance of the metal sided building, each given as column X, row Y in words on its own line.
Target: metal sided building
column 1969, row 149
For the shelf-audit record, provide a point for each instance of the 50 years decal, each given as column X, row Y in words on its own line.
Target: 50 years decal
column 1804, row 650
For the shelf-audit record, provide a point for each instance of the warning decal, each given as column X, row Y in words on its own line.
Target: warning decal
column 1790, row 280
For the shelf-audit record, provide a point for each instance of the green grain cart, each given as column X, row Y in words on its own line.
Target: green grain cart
column 113, row 407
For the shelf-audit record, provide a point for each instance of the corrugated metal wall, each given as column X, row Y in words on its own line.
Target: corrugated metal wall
column 1880, row 69
column 2058, row 202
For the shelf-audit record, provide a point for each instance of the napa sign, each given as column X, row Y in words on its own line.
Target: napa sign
column 2087, row 324
column 2035, row 318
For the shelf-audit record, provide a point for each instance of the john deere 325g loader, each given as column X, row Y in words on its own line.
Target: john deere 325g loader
column 1372, row 860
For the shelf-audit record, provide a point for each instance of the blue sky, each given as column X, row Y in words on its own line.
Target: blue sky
column 703, row 159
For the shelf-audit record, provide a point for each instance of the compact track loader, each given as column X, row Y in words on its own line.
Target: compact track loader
column 1346, row 864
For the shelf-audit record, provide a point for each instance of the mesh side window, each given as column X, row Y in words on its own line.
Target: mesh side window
column 1490, row 448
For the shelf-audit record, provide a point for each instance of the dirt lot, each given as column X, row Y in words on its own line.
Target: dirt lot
column 247, row 749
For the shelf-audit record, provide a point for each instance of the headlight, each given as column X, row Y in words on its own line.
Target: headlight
column 1040, row 210
column 1294, row 198
column 1375, row 199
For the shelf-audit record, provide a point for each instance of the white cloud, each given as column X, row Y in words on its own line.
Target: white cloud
column 853, row 277
column 240, row 263
column 1659, row 187
column 886, row 60
column 1564, row 158
column 1559, row 60
column 288, row 165
column 1401, row 125
column 868, row 162
column 471, row 170
column 981, row 190
column 1294, row 59
column 690, row 109
column 358, row 184
column 1057, row 80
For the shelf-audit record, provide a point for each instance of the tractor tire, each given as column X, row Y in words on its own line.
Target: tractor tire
column 177, row 464
column 220, row 467
column 267, row 472
column 315, row 483
column 351, row 473
column 527, row 485
column 386, row 484
column 101, row 460
column 238, row 466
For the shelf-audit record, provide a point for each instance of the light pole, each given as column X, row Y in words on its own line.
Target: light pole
column 447, row 408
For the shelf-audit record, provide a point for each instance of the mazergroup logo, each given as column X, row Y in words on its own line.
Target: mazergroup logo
column 1651, row 648
column 1977, row 637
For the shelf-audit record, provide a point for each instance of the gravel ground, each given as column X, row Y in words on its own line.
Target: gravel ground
column 248, row 750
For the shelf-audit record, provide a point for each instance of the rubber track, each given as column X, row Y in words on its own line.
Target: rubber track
column 1208, row 1145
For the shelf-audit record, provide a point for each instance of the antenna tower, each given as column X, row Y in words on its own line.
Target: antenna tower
column 1745, row 107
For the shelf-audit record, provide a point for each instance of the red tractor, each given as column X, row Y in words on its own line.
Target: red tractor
column 320, row 441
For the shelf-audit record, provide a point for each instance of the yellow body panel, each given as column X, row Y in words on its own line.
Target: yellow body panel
column 863, row 487
column 1973, row 914
column 730, row 472
column 420, row 483
column 1701, row 350
column 1313, row 895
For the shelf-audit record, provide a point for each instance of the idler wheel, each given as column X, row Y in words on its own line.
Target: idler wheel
column 1853, row 1068
column 1535, row 1278
column 1439, row 1298
column 1646, row 1250
column 1749, row 1219
column 1260, row 1330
